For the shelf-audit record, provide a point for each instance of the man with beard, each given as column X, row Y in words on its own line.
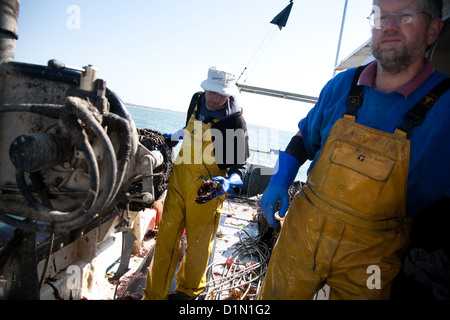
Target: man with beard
column 378, row 141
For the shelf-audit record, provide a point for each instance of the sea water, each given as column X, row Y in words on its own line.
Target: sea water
column 264, row 142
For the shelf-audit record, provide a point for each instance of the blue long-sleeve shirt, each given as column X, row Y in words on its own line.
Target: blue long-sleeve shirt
column 429, row 168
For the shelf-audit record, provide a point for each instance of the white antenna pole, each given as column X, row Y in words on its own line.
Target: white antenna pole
column 340, row 37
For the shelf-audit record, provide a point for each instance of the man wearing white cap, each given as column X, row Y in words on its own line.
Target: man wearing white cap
column 215, row 145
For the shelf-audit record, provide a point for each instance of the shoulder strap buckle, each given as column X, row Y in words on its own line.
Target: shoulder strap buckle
column 355, row 96
column 416, row 115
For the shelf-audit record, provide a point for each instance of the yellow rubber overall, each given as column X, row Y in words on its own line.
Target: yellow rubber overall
column 347, row 227
column 182, row 212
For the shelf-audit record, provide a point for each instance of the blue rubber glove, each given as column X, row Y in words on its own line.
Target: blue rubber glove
column 174, row 138
column 287, row 168
column 227, row 183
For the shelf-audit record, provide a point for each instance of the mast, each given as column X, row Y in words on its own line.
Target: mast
column 340, row 37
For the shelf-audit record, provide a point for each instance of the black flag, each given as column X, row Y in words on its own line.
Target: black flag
column 281, row 19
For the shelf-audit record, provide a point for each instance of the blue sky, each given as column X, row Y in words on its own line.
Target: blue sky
column 157, row 52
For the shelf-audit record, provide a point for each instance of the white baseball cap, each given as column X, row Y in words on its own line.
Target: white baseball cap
column 221, row 81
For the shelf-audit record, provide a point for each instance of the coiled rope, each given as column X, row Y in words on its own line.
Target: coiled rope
column 241, row 275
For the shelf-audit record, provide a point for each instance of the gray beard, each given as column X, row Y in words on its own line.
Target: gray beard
column 393, row 61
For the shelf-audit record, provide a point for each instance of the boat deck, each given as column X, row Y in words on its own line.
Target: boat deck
column 235, row 270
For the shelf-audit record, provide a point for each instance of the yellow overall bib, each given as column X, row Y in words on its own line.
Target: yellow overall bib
column 347, row 227
column 181, row 212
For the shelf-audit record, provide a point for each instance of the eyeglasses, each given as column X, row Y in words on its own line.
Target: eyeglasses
column 379, row 20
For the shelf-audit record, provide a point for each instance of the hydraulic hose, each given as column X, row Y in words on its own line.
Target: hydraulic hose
column 46, row 214
column 79, row 108
column 124, row 153
column 60, row 221
column 25, row 224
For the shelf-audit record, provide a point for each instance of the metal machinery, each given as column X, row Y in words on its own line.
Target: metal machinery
column 69, row 152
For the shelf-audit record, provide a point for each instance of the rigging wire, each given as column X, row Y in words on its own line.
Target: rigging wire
column 258, row 54
column 280, row 21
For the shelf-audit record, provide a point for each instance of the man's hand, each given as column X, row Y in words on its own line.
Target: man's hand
column 232, row 181
column 269, row 200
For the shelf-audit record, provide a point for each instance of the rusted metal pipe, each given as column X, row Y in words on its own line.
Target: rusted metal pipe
column 9, row 16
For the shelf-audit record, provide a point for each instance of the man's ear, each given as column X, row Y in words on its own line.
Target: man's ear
column 434, row 30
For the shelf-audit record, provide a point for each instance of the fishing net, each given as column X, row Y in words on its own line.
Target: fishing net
column 154, row 140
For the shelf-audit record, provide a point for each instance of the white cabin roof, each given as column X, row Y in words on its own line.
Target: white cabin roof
column 363, row 54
